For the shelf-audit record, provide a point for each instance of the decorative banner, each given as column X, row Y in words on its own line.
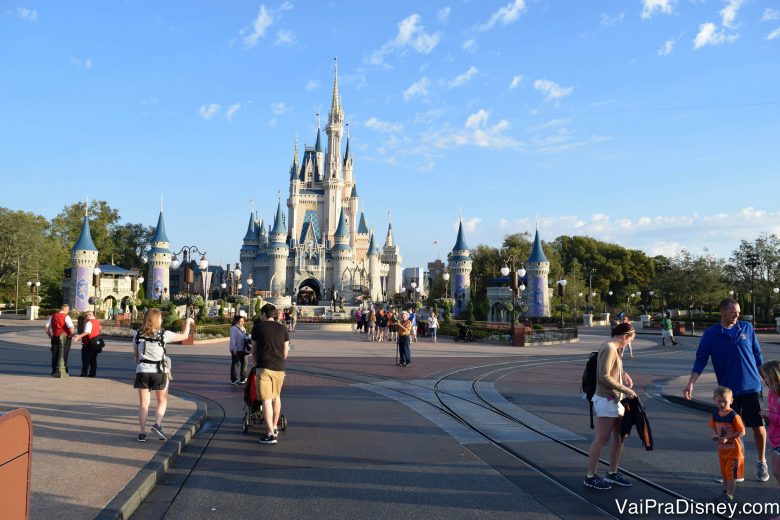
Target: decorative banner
column 81, row 302
column 537, row 305
column 460, row 292
column 158, row 283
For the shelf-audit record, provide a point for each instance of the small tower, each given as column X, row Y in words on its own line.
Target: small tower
column 295, row 193
column 375, row 281
column 277, row 254
column 340, row 253
column 537, row 294
column 392, row 257
column 249, row 250
column 361, row 239
column 459, row 264
column 83, row 258
column 159, row 260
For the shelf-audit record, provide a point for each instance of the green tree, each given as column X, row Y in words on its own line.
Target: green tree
column 130, row 241
column 66, row 227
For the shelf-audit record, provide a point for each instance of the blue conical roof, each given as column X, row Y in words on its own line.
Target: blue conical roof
column 159, row 232
column 346, row 153
column 354, row 191
column 362, row 228
column 251, row 230
column 537, row 253
column 84, row 243
column 317, row 145
column 460, row 243
column 372, row 250
column 278, row 228
column 342, row 229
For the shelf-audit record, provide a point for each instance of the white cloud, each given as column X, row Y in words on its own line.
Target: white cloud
column 285, row 38
column 418, row 88
column 774, row 34
column 278, row 108
column 469, row 224
column 463, row 78
column 770, row 15
column 710, row 35
column 312, row 84
column 258, row 27
column 444, row 14
column 231, row 111
column 666, row 48
column 207, row 111
column 24, row 13
column 410, row 35
column 505, row 15
column 383, row 126
column 480, row 133
column 85, row 64
column 516, row 80
column 551, row 89
column 609, row 21
column 729, row 13
column 650, row 7
column 470, row 45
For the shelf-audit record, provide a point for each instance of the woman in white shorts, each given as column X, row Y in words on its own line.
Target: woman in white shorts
column 612, row 385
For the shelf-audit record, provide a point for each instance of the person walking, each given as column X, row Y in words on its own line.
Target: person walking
column 433, row 325
column 666, row 331
column 238, row 352
column 270, row 347
column 392, row 326
column 153, row 368
column 727, row 428
column 371, row 326
column 59, row 328
column 359, row 321
column 404, row 331
column 770, row 373
column 612, row 385
column 413, row 319
column 736, row 357
column 90, row 329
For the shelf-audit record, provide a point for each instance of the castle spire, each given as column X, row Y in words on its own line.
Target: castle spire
column 537, row 253
column 336, row 115
column 460, row 243
column 84, row 243
column 317, row 145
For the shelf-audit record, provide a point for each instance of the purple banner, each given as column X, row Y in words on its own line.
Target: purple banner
column 158, row 283
column 81, row 282
column 460, row 286
column 536, row 305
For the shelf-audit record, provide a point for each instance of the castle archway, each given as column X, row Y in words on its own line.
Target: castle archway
column 309, row 292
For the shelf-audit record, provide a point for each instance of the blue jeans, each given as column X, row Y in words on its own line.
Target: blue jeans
column 404, row 355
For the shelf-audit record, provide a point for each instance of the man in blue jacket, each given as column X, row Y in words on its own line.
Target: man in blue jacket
column 736, row 358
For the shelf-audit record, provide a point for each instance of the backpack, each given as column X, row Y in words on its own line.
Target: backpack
column 589, row 380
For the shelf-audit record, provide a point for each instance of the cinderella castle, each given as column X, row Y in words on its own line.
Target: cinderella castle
column 323, row 247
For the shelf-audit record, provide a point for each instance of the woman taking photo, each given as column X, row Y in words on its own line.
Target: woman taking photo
column 612, row 385
column 153, row 368
column 238, row 350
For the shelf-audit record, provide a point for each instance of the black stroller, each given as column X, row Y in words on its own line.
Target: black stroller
column 464, row 333
column 253, row 406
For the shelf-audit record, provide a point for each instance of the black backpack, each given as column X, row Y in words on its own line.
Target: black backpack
column 589, row 380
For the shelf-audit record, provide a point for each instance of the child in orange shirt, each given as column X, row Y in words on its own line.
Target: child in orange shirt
column 727, row 428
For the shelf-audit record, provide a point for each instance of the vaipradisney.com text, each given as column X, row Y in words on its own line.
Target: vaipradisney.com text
column 649, row 506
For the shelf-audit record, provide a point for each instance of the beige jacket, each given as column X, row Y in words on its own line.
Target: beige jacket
column 609, row 373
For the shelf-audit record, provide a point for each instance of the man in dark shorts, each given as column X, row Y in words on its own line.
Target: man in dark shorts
column 736, row 358
column 270, row 346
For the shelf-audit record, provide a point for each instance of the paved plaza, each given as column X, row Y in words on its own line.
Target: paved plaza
column 364, row 437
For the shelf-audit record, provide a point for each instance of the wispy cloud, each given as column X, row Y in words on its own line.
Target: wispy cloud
column 551, row 89
column 470, row 45
column 469, row 224
column 207, row 111
column 279, row 108
column 27, row 14
column 667, row 48
column 312, row 84
column 505, row 16
column 383, row 126
column 411, row 34
column 85, row 63
column 770, row 15
column 444, row 14
column 231, row 111
column 463, row 78
column 516, row 80
column 773, row 35
column 258, row 27
column 609, row 21
column 651, row 7
column 709, row 34
column 729, row 13
column 285, row 38
column 418, row 89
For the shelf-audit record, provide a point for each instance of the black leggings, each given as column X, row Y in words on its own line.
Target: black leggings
column 236, row 359
column 88, row 361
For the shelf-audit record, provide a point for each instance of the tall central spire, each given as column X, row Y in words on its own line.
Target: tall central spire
column 336, row 115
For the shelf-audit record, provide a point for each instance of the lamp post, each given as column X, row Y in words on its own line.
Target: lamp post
column 414, row 292
column 96, row 283
column 605, row 303
column 33, row 285
column 628, row 303
column 135, row 280
column 652, row 297
column 249, row 282
column 751, row 262
column 189, row 276
column 446, row 277
column 561, row 290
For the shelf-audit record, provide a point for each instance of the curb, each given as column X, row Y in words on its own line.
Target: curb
column 689, row 403
column 127, row 501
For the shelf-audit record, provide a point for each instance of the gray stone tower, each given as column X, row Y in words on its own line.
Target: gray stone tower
column 83, row 258
column 459, row 264
column 277, row 254
column 391, row 256
column 537, row 293
column 375, row 281
column 159, row 261
column 249, row 251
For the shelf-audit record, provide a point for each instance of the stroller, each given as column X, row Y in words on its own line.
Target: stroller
column 253, row 406
column 464, row 333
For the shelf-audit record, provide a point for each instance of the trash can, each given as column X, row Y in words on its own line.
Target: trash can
column 518, row 335
column 15, row 463
column 678, row 328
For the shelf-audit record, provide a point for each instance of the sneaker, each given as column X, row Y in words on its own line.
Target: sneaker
column 276, row 432
column 156, row 428
column 242, row 382
column 141, row 437
column 597, row 482
column 762, row 471
column 234, row 382
column 719, row 480
column 268, row 439
column 617, row 479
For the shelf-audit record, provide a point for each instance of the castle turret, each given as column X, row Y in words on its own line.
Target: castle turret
column 361, row 239
column 83, row 258
column 159, row 261
column 391, row 256
column 340, row 253
column 459, row 264
column 374, row 276
column 334, row 129
column 537, row 293
column 278, row 251
column 249, row 251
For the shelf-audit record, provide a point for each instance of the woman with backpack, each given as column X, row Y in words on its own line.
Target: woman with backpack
column 153, row 368
column 612, row 385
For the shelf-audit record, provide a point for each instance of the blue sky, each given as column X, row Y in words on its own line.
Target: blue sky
column 649, row 123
